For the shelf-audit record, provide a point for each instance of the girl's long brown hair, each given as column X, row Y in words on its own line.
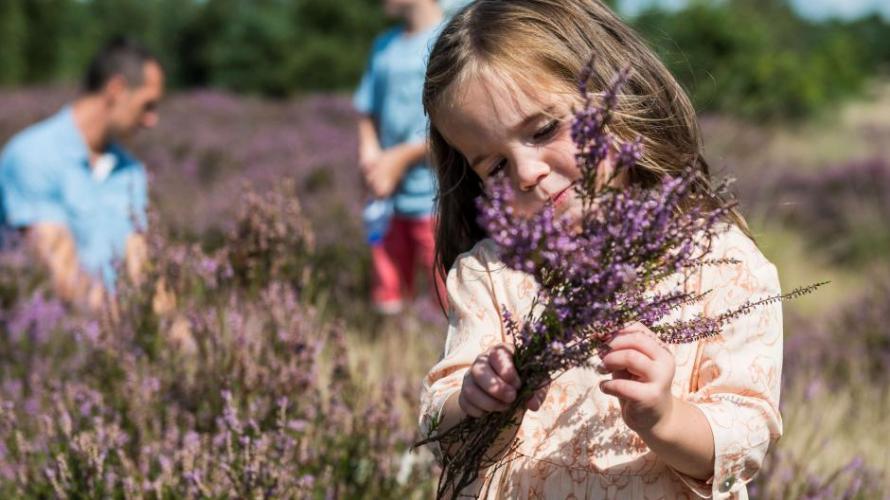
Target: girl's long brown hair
column 535, row 42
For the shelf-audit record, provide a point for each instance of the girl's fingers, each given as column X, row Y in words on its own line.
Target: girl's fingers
column 535, row 403
column 623, row 388
column 468, row 407
column 480, row 400
column 631, row 360
column 501, row 360
column 486, row 379
column 641, row 341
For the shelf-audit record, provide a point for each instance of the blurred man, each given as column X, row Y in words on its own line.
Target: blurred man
column 76, row 195
column 393, row 152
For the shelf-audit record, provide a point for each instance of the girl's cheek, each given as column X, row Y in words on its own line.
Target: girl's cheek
column 563, row 152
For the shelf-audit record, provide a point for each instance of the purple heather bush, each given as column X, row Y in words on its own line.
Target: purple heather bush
column 848, row 346
column 236, row 388
column 784, row 475
column 843, row 209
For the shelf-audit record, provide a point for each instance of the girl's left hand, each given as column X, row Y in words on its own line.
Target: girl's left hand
column 642, row 371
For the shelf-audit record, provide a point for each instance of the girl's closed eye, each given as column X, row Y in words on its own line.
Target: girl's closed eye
column 547, row 131
column 541, row 135
column 498, row 166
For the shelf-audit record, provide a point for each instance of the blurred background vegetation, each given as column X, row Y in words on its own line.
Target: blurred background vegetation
column 755, row 59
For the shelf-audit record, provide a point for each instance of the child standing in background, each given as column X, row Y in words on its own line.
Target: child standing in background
column 652, row 421
column 393, row 154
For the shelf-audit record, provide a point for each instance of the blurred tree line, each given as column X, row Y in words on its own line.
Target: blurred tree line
column 758, row 59
column 272, row 47
column 753, row 58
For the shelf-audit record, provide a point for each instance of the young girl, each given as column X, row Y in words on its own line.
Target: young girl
column 651, row 421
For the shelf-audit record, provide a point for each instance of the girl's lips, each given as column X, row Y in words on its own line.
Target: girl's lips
column 561, row 196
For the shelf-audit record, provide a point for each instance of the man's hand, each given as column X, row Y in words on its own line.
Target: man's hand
column 135, row 256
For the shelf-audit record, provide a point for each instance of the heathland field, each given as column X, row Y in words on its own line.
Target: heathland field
column 264, row 371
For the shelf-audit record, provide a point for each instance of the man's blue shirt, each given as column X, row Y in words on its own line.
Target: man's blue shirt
column 391, row 93
column 45, row 176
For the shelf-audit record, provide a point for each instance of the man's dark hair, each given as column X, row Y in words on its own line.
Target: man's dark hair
column 119, row 56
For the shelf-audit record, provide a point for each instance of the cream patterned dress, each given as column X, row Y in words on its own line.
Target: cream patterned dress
column 577, row 445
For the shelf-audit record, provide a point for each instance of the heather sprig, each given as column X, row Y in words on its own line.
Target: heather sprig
column 596, row 275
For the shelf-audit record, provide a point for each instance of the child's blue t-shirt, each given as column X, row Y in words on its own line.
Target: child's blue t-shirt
column 391, row 93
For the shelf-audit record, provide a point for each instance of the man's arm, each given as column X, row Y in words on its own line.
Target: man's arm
column 55, row 248
column 135, row 256
column 30, row 192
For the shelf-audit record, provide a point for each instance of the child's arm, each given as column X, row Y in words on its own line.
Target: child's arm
column 368, row 142
column 490, row 384
column 735, row 383
column 384, row 172
column 675, row 430
column 474, row 328
column 470, row 313
column 382, row 169
column 368, row 107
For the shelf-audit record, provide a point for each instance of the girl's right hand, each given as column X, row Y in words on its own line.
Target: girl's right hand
column 492, row 382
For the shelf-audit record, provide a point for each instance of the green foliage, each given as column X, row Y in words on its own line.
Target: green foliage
column 873, row 33
column 12, row 39
column 758, row 60
column 262, row 37
column 45, row 25
column 752, row 58
column 270, row 47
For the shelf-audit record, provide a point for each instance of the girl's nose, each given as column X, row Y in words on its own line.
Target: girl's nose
column 530, row 170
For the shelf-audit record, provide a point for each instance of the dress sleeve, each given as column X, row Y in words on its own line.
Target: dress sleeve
column 737, row 378
column 474, row 325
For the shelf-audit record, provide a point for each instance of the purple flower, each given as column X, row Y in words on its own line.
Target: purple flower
column 37, row 318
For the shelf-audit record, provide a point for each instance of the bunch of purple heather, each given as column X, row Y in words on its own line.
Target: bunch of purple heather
column 596, row 275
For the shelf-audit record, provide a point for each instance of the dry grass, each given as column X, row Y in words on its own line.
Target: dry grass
column 830, row 427
column 799, row 265
column 859, row 129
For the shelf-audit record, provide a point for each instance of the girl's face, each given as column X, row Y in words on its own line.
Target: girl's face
column 525, row 133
